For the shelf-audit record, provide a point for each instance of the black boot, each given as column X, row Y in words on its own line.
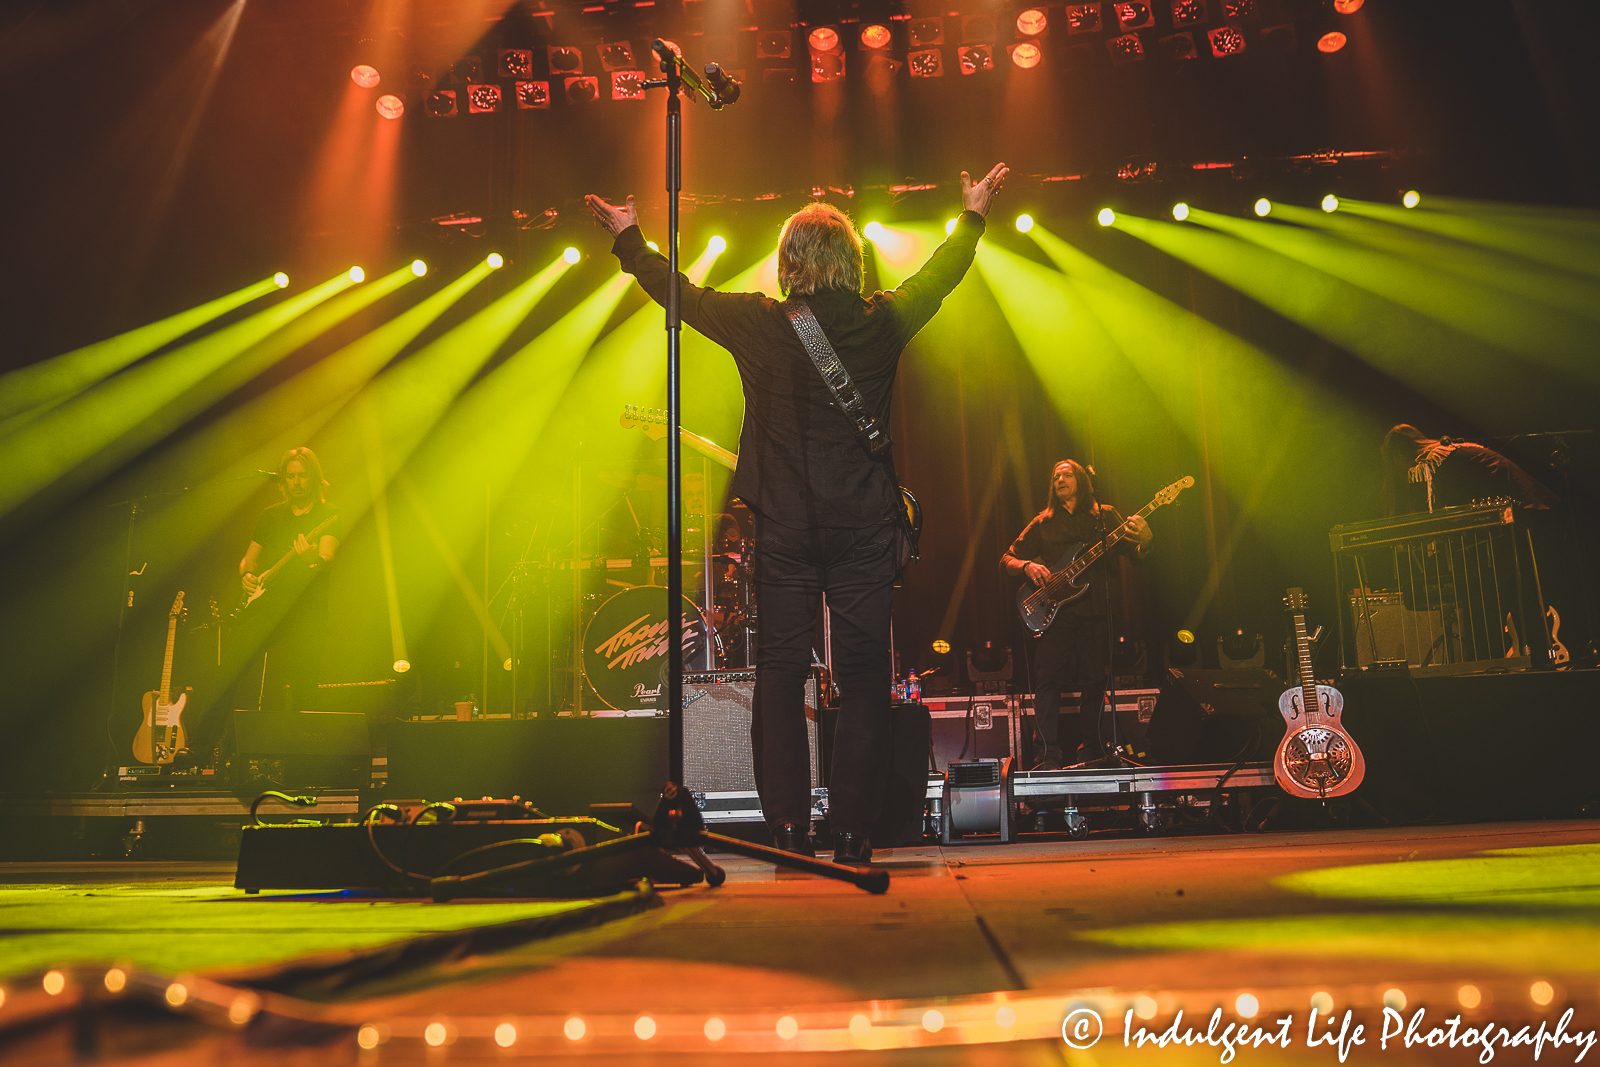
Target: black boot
column 794, row 837
column 852, row 850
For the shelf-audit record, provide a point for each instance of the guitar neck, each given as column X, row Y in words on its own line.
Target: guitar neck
column 1089, row 558
column 315, row 533
column 1308, row 681
column 166, row 664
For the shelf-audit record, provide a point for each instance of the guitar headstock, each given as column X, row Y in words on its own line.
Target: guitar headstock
column 177, row 606
column 1296, row 600
column 1170, row 493
column 653, row 421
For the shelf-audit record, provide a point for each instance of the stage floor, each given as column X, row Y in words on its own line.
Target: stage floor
column 1364, row 918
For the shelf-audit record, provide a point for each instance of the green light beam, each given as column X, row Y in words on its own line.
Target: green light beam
column 51, row 381
column 132, row 409
column 1536, row 244
column 378, row 489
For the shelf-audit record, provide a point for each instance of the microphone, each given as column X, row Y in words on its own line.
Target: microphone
column 274, row 475
column 725, row 88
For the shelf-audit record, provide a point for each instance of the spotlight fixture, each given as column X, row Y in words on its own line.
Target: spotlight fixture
column 495, row 260
column 1027, row 54
column 627, row 85
column 824, row 39
column 1134, row 16
column 565, row 60
column 926, row 64
column 1347, row 7
column 773, row 44
column 467, row 69
column 716, row 246
column 1225, row 41
column 532, row 95
column 1177, row 46
column 1239, row 9
column 571, row 256
column 1125, row 49
column 677, row 49
column 1032, row 22
column 1412, row 198
column 441, row 103
column 516, row 62
column 1263, row 207
column 1330, row 203
column 827, row 66
column 401, row 666
column 391, row 106
column 977, row 29
column 1279, row 40
column 1024, row 223
column 418, row 267
column 281, row 280
column 924, row 33
column 1180, row 211
column 1083, row 18
column 872, row 231
column 616, row 56
column 875, row 36
column 365, row 76
column 950, row 227
column 482, row 99
column 357, row 275
column 1106, row 216
column 1188, row 12
column 1331, row 42
column 583, row 90
column 975, row 57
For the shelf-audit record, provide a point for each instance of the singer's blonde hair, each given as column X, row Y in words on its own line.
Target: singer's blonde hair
column 313, row 466
column 818, row 249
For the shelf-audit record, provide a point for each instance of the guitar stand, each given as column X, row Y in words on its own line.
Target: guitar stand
column 676, row 825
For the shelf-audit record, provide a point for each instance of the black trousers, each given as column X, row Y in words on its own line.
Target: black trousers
column 794, row 568
column 1071, row 655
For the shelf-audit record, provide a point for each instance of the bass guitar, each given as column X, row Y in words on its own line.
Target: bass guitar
column 1316, row 759
column 161, row 733
column 1038, row 604
column 266, row 576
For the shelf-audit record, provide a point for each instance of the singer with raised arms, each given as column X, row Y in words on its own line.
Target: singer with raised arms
column 821, row 484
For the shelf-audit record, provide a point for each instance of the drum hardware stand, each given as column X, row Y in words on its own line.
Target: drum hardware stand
column 676, row 825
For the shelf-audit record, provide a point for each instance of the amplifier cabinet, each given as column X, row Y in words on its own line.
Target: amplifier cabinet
column 717, row 706
column 1387, row 630
column 1001, row 726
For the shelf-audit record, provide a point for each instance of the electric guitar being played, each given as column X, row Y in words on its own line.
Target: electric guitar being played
column 1038, row 604
column 161, row 733
column 1316, row 759
column 266, row 576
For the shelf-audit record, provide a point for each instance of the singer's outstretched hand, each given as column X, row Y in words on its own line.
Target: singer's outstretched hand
column 979, row 197
column 614, row 219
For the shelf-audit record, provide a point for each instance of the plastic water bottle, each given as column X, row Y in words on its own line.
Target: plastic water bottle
column 913, row 689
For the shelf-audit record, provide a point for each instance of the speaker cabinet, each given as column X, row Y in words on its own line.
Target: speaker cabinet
column 1387, row 630
column 716, row 731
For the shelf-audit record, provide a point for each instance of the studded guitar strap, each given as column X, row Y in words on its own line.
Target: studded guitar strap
column 873, row 436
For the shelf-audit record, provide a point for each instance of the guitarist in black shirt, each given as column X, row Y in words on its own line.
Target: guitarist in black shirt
column 1074, row 652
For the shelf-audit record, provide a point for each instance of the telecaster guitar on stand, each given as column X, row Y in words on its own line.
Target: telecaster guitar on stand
column 1038, row 604
column 1316, row 759
column 161, row 733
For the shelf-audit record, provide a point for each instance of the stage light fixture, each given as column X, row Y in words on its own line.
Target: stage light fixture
column 1024, row 223
column 1331, row 42
column 1134, row 16
column 975, row 57
column 1279, row 40
column 1322, row 1001
column 368, row 1037
column 357, row 274
column 1246, row 1005
column 827, row 66
column 1188, row 12
column 281, row 280
column 495, row 260
column 1026, row 54
column 1177, row 46
column 533, row 95
column 1185, row 637
column 1239, row 9
column 872, row 231
column 1347, row 7
column 572, row 255
column 516, row 62
column 505, row 1035
column 1469, row 996
column 876, row 36
column 617, row 55
column 365, row 76
column 924, row 33
column 787, row 1027
column 1083, row 18
column 434, row 1034
column 1180, row 211
column 116, row 980
column 1106, row 216
column 627, row 85
column 1330, row 203
column 773, row 44
column 716, row 1029
column 583, row 90
column 1125, row 49
column 928, row 63
column 565, row 60
column 644, row 1028
column 677, row 49
column 1225, row 41
column 716, row 246
column 441, row 103
column 824, row 39
column 977, row 29
column 419, row 268
column 950, row 227
column 401, row 666
column 1411, row 199
column 482, row 99
column 506, row 665
column 391, row 106
column 1263, row 207
column 941, row 646
column 573, row 1028
column 1032, row 22
column 467, row 69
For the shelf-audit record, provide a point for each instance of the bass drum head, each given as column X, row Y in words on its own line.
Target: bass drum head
column 625, row 648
